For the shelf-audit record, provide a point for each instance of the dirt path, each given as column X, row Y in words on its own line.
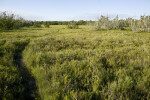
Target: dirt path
column 28, row 81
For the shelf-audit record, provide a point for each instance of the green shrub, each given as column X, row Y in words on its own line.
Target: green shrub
column 10, row 21
column 37, row 24
column 73, row 25
column 46, row 25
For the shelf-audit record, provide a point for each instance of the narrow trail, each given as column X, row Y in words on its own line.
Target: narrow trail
column 28, row 81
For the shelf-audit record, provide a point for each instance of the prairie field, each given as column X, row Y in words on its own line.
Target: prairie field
column 59, row 63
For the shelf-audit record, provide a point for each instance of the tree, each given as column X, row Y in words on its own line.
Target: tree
column 46, row 24
column 37, row 24
column 73, row 25
column 10, row 21
column 7, row 21
column 140, row 25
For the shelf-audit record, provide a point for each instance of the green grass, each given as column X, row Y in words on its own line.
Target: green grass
column 81, row 63
column 11, row 86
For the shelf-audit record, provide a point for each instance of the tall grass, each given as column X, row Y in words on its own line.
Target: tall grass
column 87, row 64
column 76, row 63
column 11, row 86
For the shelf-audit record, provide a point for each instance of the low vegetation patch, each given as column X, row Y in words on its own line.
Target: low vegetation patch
column 111, row 62
column 91, row 65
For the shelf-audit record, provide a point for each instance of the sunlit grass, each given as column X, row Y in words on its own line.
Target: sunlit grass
column 84, row 63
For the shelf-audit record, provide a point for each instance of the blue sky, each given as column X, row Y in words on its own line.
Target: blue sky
column 64, row 10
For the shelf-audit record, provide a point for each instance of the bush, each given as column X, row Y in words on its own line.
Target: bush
column 142, row 25
column 46, row 25
column 37, row 24
column 105, row 23
column 7, row 21
column 73, row 25
column 10, row 21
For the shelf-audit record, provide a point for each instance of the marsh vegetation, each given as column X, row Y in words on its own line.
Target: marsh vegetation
column 104, row 62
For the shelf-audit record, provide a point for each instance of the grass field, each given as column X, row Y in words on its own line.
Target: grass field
column 74, row 64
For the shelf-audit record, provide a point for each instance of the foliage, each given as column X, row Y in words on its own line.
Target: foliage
column 7, row 21
column 73, row 25
column 142, row 25
column 88, row 64
column 46, row 25
column 76, row 64
column 37, row 24
column 11, row 86
column 105, row 23
column 82, row 22
column 10, row 21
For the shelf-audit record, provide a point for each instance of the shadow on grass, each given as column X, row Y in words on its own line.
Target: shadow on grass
column 28, row 81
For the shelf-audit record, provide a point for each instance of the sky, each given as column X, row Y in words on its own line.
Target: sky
column 66, row 10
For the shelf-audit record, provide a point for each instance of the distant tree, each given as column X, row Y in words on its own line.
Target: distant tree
column 81, row 22
column 102, row 23
column 10, row 21
column 140, row 25
column 27, row 23
column 147, row 23
column 37, row 24
column 73, row 25
column 46, row 24
column 7, row 21
column 134, row 25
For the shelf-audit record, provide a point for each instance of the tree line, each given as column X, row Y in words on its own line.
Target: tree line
column 136, row 25
column 10, row 21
